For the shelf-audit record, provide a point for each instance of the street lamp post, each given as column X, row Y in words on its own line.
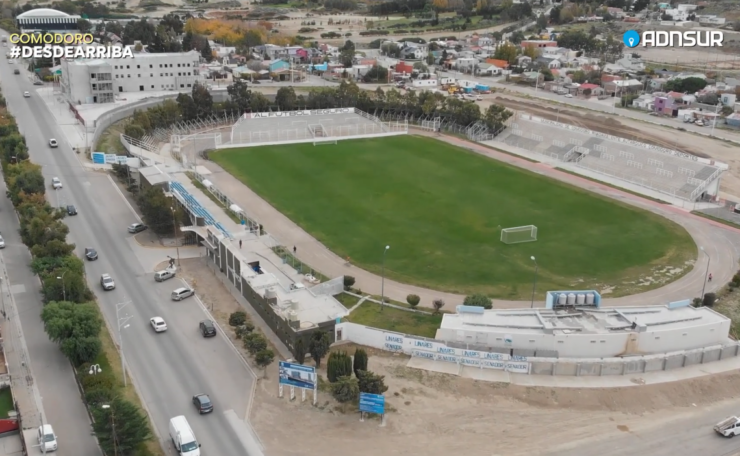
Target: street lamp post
column 95, row 369
column 64, row 288
column 174, row 225
column 113, row 428
column 706, row 273
column 382, row 279
column 534, row 282
column 122, row 324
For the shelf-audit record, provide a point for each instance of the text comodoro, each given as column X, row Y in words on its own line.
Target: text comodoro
column 48, row 38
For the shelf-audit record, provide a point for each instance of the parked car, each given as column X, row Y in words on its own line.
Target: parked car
column 56, row 183
column 203, row 403
column 2, row 243
column 26, row 94
column 53, row 143
column 208, row 328
column 91, row 254
column 71, row 210
column 158, row 324
column 106, row 281
column 16, row 71
column 161, row 276
column 47, row 438
column 182, row 293
column 136, row 228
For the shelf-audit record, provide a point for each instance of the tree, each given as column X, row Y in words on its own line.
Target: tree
column 376, row 74
column 349, row 281
column 29, row 181
column 413, row 300
column 187, row 41
column 496, row 116
column 438, row 6
column 84, row 26
column 478, row 300
column 206, row 52
column 80, row 350
column 237, row 318
column 359, row 362
column 203, row 100
column 438, row 304
column 264, row 358
column 75, row 327
column 155, row 207
column 286, row 99
column 255, row 343
column 240, row 95
column 187, row 106
column 430, row 58
column 339, row 364
column 709, row 299
column 370, row 382
column 121, row 427
column 507, row 52
column 299, row 351
column 542, row 21
column 346, row 389
column 319, row 346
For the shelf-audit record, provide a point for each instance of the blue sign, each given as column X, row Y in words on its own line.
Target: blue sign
column 297, row 375
column 372, row 403
column 98, row 158
column 101, row 158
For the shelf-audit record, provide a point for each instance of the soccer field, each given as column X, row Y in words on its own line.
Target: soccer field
column 440, row 208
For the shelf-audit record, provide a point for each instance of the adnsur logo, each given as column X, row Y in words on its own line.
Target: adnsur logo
column 693, row 38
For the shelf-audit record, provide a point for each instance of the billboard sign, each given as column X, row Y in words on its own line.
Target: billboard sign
column 297, row 375
column 101, row 158
column 372, row 403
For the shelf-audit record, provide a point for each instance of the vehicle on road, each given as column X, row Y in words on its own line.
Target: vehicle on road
column 26, row 94
column 207, row 328
column 161, row 276
column 91, row 254
column 38, row 83
column 568, row 95
column 297, row 286
column 136, row 228
column 183, row 437
column 203, row 403
column 47, row 438
column 106, row 281
column 16, row 71
column 2, row 243
column 158, row 324
column 182, row 293
column 56, row 183
column 53, row 143
column 729, row 427
column 71, row 210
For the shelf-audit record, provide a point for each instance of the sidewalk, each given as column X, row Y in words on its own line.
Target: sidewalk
column 719, row 240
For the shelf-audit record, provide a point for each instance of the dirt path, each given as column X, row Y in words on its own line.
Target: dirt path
column 434, row 414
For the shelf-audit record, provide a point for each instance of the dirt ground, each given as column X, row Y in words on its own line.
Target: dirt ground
column 638, row 131
column 432, row 413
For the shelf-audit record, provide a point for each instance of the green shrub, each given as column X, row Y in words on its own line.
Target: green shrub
column 102, row 380
column 413, row 300
column 339, row 364
column 243, row 330
column 237, row 318
column 346, row 389
column 359, row 363
column 348, row 282
column 99, row 395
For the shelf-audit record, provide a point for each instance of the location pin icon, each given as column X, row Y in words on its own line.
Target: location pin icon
column 632, row 41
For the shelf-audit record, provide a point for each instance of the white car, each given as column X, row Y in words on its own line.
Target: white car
column 27, row 94
column 47, row 438
column 568, row 95
column 158, row 324
column 182, row 293
column 107, row 282
column 53, row 143
column 2, row 243
column 56, row 183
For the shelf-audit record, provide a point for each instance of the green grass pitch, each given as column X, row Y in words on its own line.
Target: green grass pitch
column 440, row 207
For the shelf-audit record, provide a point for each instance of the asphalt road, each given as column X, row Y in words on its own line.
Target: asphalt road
column 688, row 433
column 167, row 368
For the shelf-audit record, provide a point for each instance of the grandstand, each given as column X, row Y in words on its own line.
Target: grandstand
column 680, row 175
column 318, row 126
column 195, row 208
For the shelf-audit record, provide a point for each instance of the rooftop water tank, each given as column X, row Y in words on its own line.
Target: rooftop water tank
column 294, row 306
column 581, row 299
column 590, row 299
column 571, row 299
column 270, row 293
column 562, row 299
column 292, row 316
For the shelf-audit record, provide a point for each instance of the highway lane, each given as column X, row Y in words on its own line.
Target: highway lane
column 167, row 368
column 688, row 433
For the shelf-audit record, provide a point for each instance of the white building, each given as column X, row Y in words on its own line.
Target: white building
column 97, row 81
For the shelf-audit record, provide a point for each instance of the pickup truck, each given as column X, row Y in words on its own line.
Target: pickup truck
column 729, row 427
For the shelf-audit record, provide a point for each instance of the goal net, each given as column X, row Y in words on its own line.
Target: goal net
column 519, row 234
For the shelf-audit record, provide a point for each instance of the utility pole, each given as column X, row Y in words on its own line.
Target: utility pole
column 122, row 324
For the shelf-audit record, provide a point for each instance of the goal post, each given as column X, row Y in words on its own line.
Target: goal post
column 519, row 234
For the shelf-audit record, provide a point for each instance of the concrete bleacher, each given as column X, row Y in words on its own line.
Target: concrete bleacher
column 298, row 128
column 195, row 207
column 670, row 174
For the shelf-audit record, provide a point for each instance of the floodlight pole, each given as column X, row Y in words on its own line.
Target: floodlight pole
column 122, row 324
column 534, row 283
column 174, row 226
column 382, row 279
column 706, row 274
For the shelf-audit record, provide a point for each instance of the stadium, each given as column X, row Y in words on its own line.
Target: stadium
column 355, row 182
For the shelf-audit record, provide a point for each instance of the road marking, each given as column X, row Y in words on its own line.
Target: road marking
column 124, row 198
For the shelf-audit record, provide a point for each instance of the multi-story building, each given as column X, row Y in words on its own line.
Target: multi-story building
column 98, row 80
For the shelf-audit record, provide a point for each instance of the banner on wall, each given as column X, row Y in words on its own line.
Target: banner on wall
column 315, row 112
column 496, row 361
column 101, row 158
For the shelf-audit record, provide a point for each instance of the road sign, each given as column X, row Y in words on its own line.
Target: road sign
column 297, row 375
column 98, row 158
column 372, row 403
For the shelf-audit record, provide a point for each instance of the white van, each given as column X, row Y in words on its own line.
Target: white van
column 183, row 437
column 161, row 276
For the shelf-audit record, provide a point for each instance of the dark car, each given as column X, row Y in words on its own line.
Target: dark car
column 71, row 210
column 91, row 254
column 16, row 71
column 203, row 403
column 207, row 328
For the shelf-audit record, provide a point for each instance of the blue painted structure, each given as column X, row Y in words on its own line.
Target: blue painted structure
column 552, row 297
column 278, row 65
column 195, row 208
column 372, row 403
column 482, row 87
column 320, row 67
column 469, row 309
